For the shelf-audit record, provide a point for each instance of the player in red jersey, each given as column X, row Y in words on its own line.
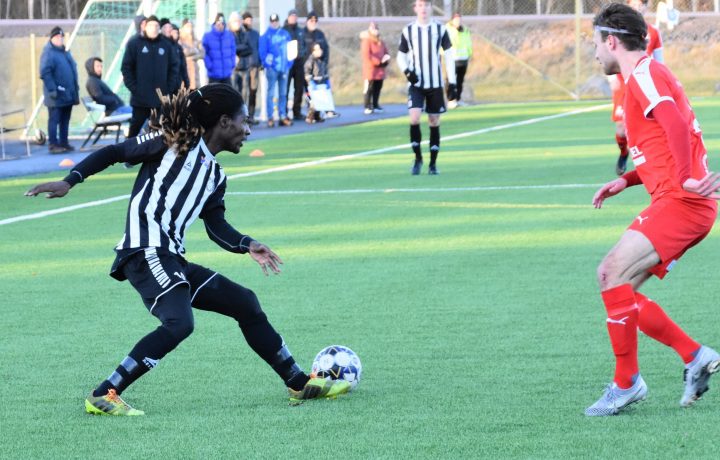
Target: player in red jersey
column 670, row 161
column 617, row 84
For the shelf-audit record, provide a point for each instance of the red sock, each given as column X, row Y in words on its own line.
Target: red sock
column 622, row 326
column 655, row 323
column 622, row 144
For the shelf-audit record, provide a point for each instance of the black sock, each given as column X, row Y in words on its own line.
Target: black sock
column 434, row 144
column 415, row 138
column 285, row 366
column 143, row 357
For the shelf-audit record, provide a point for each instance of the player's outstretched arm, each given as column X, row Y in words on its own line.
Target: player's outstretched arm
column 612, row 188
column 708, row 186
column 57, row 189
column 265, row 257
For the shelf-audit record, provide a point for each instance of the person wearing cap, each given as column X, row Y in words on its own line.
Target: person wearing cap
column 314, row 35
column 274, row 57
column 192, row 49
column 219, row 44
column 296, row 76
column 150, row 62
column 172, row 33
column 61, row 91
column 462, row 45
column 248, row 66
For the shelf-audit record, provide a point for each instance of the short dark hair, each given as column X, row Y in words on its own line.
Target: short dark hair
column 625, row 23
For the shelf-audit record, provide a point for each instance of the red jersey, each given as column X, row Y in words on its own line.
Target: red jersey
column 649, row 84
column 654, row 40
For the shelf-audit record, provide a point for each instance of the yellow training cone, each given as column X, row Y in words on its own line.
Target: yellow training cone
column 257, row 153
column 67, row 163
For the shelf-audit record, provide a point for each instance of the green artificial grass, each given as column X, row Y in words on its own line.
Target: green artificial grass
column 475, row 312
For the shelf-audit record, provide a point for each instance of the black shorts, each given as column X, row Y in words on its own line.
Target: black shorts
column 155, row 271
column 430, row 100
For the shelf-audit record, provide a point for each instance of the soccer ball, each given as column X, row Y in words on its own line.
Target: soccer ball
column 337, row 362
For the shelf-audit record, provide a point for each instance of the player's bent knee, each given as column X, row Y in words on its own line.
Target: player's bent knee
column 174, row 312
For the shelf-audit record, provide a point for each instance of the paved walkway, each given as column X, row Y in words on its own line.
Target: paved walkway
column 41, row 161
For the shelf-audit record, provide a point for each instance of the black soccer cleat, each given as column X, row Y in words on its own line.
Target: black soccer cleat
column 621, row 166
column 433, row 171
column 417, row 166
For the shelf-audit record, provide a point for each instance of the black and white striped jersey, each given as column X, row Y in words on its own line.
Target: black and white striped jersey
column 420, row 47
column 169, row 194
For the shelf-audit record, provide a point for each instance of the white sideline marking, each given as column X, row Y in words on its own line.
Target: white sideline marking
column 417, row 190
column 306, row 164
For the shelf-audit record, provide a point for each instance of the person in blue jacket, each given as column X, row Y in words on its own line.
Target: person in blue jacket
column 274, row 57
column 219, row 44
column 61, row 91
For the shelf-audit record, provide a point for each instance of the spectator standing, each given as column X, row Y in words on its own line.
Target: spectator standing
column 172, row 33
column 274, row 57
column 100, row 92
column 149, row 63
column 249, row 53
column 314, row 35
column 235, row 24
column 60, row 89
column 219, row 44
column 192, row 49
column 316, row 73
column 462, row 46
column 296, row 75
column 375, row 57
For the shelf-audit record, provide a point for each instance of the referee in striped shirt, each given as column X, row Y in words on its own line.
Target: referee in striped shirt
column 419, row 59
column 180, row 180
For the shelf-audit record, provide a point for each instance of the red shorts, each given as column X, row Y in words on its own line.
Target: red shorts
column 618, row 97
column 674, row 225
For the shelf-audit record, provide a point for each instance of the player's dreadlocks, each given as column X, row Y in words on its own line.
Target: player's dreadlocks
column 183, row 118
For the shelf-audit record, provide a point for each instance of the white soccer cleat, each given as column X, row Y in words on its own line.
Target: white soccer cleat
column 616, row 399
column 697, row 374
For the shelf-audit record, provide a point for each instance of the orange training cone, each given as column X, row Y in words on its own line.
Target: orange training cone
column 67, row 163
column 257, row 153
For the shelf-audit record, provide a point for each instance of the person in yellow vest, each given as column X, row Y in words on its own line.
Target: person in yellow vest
column 462, row 45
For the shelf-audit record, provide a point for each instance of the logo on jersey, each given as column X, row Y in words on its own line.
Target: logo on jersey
column 641, row 219
column 145, row 50
column 188, row 166
column 637, row 156
column 180, row 275
column 161, row 51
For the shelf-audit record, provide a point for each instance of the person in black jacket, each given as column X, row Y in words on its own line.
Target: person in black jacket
column 100, row 92
column 150, row 62
column 172, row 33
column 296, row 76
column 248, row 67
column 180, row 180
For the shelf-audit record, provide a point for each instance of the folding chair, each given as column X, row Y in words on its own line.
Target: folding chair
column 12, row 127
column 103, row 124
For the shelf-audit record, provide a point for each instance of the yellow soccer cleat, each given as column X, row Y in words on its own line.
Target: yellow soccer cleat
column 317, row 388
column 110, row 404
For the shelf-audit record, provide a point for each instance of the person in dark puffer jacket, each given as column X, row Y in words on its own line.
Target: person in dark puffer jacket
column 60, row 89
column 150, row 62
column 219, row 44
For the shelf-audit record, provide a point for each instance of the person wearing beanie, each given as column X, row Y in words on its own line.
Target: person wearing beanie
column 219, row 45
column 314, row 35
column 150, row 62
column 61, row 91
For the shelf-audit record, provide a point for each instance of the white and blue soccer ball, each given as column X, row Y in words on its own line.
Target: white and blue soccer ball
column 338, row 362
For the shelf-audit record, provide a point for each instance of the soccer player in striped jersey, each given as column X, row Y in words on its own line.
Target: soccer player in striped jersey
column 654, row 49
column 179, row 181
column 670, row 160
column 419, row 59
